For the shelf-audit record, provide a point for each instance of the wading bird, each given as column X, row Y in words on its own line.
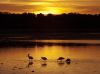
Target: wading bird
column 44, row 58
column 30, row 57
column 60, row 59
column 68, row 60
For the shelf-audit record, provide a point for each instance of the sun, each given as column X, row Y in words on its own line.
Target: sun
column 49, row 10
column 49, row 7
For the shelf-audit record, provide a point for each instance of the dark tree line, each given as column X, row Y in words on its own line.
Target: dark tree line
column 29, row 23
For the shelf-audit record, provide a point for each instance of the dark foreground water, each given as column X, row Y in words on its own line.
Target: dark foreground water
column 85, row 60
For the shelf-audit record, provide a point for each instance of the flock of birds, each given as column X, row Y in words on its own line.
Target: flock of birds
column 60, row 59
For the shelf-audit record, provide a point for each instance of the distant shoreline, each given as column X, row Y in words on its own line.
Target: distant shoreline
column 40, row 26
column 41, row 44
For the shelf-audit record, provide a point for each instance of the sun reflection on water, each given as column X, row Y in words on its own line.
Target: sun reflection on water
column 51, row 52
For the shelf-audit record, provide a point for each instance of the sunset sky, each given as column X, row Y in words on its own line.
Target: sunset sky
column 50, row 6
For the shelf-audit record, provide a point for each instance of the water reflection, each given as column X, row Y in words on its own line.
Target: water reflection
column 50, row 52
column 30, row 63
column 61, row 63
column 16, row 58
column 44, row 64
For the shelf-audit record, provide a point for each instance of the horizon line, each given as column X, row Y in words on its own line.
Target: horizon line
column 47, row 13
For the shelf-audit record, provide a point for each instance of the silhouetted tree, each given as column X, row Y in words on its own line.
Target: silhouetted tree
column 49, row 25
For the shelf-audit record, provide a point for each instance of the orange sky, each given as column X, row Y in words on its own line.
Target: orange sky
column 50, row 6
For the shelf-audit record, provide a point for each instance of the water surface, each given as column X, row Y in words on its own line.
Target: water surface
column 85, row 59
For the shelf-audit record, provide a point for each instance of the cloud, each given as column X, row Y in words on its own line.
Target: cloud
column 17, row 8
column 16, row 0
column 49, row 0
column 21, row 0
column 88, row 9
column 65, row 5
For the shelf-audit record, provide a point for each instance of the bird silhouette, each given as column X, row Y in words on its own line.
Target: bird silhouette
column 44, row 58
column 68, row 60
column 60, row 59
column 30, row 57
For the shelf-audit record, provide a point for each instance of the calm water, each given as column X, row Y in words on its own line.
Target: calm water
column 85, row 59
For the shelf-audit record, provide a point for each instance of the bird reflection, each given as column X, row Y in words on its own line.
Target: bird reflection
column 61, row 63
column 43, row 64
column 30, row 63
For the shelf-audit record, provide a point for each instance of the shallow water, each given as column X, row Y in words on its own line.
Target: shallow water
column 85, row 59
